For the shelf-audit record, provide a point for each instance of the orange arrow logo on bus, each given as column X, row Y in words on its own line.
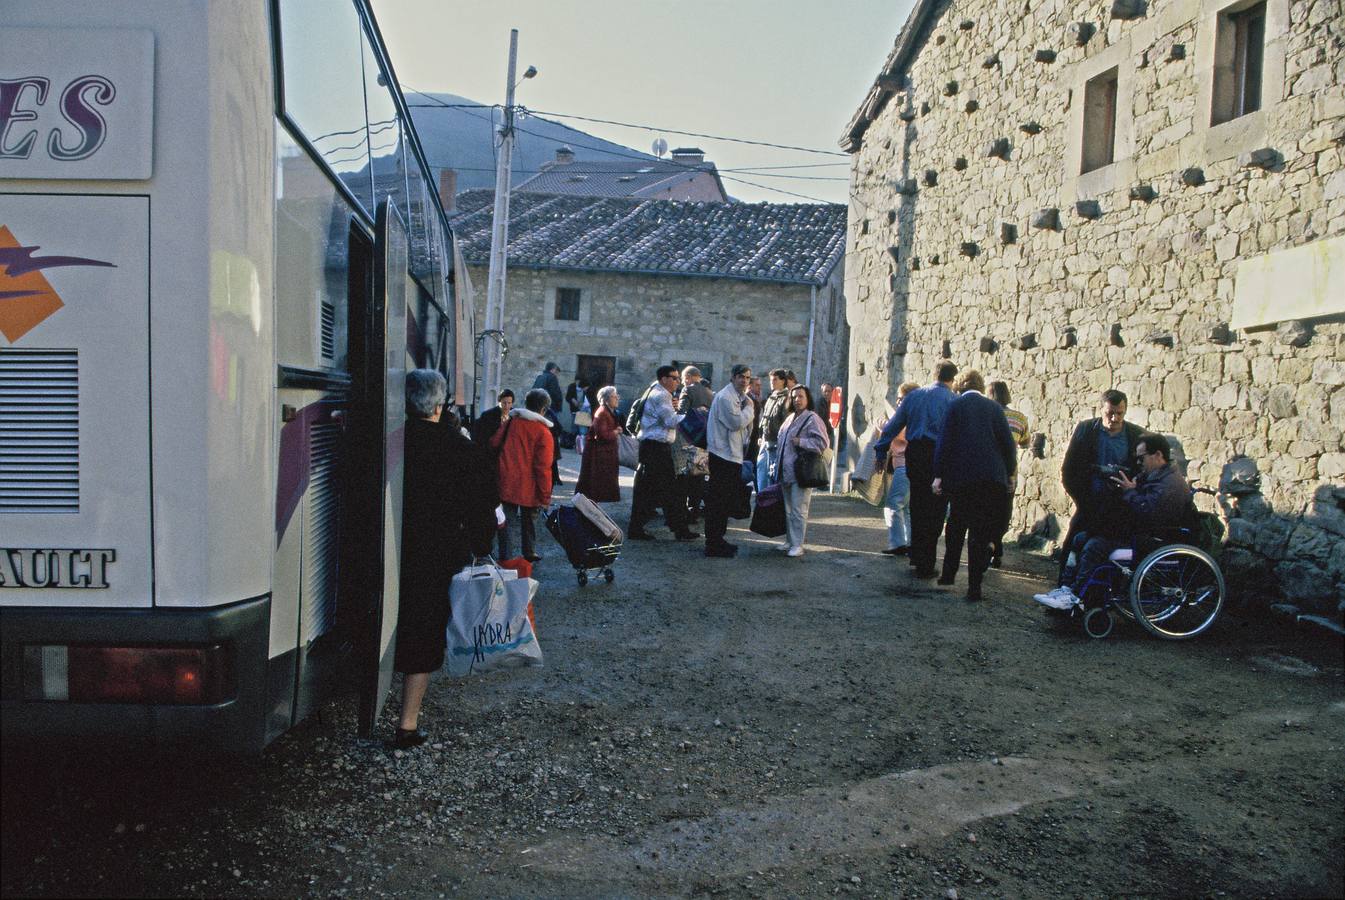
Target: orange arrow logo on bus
column 26, row 297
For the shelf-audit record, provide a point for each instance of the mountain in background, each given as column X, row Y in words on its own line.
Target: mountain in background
column 458, row 135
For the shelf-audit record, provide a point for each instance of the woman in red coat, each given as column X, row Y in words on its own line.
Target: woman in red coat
column 598, row 472
column 526, row 449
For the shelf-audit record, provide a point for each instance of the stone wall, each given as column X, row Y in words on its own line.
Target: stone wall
column 973, row 235
column 645, row 321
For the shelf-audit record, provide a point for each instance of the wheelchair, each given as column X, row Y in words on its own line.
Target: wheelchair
column 1175, row 592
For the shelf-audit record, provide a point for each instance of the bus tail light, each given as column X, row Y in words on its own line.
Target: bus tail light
column 161, row 675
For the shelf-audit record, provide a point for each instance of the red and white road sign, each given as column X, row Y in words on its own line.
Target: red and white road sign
column 834, row 411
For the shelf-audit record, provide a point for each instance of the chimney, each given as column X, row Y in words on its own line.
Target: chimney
column 564, row 156
column 448, row 189
column 688, row 156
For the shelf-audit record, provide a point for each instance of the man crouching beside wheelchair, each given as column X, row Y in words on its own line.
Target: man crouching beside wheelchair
column 1156, row 499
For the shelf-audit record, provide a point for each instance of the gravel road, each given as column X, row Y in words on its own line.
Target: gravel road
column 766, row 727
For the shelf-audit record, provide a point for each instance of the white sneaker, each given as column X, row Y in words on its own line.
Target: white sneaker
column 794, row 551
column 1060, row 598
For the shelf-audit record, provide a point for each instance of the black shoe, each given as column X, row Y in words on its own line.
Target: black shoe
column 687, row 535
column 924, row 573
column 533, row 557
column 996, row 562
column 974, row 596
column 406, row 738
column 639, row 534
column 721, row 551
column 946, row 580
column 896, row 551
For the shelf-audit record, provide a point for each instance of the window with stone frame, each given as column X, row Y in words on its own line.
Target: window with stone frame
column 833, row 311
column 1099, row 121
column 568, row 302
column 1239, row 57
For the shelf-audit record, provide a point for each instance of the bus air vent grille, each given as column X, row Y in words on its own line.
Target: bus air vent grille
column 39, row 431
column 322, row 531
column 328, row 331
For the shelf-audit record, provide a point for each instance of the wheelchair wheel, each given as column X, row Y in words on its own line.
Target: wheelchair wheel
column 1177, row 592
column 1098, row 622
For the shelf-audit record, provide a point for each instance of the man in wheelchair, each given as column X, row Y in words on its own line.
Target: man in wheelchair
column 1155, row 501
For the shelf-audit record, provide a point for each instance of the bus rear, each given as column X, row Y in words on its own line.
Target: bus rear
column 219, row 251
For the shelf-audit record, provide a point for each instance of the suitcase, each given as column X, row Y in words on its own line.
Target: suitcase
column 587, row 544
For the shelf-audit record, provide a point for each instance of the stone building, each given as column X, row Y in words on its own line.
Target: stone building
column 617, row 287
column 1151, row 196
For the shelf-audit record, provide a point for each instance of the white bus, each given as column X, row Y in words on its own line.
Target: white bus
column 220, row 249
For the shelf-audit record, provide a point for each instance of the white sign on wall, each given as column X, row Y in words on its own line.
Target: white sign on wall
column 76, row 103
column 1300, row 283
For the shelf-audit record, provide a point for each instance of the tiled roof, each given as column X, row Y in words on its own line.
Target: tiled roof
column 781, row 242
column 616, row 178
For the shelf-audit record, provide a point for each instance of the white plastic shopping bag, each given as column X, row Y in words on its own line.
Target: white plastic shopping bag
column 490, row 628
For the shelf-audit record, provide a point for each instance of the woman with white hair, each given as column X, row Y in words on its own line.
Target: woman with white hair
column 600, row 468
column 448, row 516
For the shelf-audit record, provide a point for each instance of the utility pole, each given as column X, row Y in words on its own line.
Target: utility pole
column 499, row 236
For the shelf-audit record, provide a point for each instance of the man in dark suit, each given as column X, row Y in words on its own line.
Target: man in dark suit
column 1106, row 440
column 973, row 461
column 549, row 381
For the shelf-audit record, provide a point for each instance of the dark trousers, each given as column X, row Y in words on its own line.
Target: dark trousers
column 927, row 509
column 656, row 486
column 721, row 492
column 976, row 515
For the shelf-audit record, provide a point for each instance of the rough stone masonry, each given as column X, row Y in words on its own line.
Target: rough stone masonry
column 1005, row 214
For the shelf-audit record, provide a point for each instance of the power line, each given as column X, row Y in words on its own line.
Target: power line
column 644, row 158
column 712, row 137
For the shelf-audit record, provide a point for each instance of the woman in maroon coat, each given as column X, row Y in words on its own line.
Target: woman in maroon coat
column 598, row 472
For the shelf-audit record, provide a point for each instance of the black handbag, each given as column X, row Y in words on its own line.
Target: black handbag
column 810, row 469
column 768, row 519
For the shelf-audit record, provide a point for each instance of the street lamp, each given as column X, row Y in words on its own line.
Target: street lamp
column 499, row 234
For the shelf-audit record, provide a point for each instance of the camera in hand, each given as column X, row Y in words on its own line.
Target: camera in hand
column 1110, row 470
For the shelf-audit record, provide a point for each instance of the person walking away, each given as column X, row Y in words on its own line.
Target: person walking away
column 754, row 445
column 896, row 509
column 922, row 414
column 448, row 516
column 773, row 414
column 973, row 461
column 582, row 400
column 693, row 404
column 527, row 448
column 1106, row 441
column 1018, row 427
column 731, row 416
column 802, row 430
column 549, row 381
column 655, row 480
column 599, row 469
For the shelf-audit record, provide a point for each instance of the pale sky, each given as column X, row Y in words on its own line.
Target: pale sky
column 786, row 72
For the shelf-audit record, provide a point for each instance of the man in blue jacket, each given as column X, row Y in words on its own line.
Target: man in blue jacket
column 922, row 414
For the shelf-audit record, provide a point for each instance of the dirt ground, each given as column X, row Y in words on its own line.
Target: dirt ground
column 762, row 726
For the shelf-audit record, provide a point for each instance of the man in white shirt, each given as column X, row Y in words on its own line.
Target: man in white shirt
column 728, row 432
column 655, row 480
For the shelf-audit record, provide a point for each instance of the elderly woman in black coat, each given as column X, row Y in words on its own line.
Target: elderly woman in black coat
column 448, row 515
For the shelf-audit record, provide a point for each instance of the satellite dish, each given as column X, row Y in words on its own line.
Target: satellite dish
column 660, row 147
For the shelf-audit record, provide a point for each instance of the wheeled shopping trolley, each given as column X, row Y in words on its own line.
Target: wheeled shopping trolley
column 590, row 538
